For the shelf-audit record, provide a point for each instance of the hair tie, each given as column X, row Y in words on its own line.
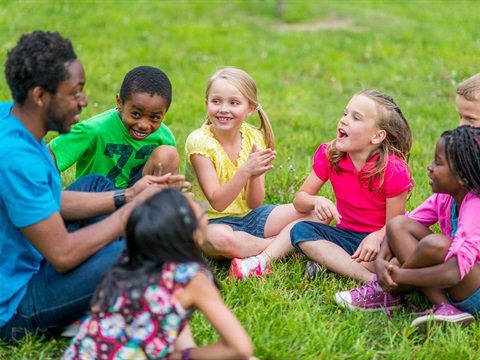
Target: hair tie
column 259, row 107
column 184, row 212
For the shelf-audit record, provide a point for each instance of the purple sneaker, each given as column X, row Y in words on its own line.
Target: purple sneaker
column 443, row 313
column 369, row 297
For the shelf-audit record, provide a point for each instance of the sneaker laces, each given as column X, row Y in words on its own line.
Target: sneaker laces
column 429, row 311
column 370, row 290
column 366, row 290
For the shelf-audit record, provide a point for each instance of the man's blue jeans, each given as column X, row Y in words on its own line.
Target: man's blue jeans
column 55, row 300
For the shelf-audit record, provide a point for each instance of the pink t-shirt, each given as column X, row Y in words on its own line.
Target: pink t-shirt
column 466, row 243
column 362, row 209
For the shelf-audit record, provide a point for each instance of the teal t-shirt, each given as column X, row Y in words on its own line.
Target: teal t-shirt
column 102, row 145
column 30, row 192
column 454, row 217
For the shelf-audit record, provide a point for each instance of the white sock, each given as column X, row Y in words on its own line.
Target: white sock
column 263, row 263
column 252, row 262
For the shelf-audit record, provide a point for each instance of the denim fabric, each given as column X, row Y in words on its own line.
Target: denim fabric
column 253, row 223
column 89, row 183
column 470, row 304
column 54, row 300
column 313, row 231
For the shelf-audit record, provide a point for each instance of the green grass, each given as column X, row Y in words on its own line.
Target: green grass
column 307, row 63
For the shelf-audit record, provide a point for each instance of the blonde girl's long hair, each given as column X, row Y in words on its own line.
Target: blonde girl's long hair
column 245, row 83
column 398, row 140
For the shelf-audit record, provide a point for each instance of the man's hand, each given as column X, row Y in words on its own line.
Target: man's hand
column 160, row 182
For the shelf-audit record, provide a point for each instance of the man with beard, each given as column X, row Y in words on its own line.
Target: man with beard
column 48, row 272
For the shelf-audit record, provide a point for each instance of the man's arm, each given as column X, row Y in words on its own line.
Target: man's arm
column 65, row 251
column 77, row 205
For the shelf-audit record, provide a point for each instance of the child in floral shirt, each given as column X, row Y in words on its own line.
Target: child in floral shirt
column 144, row 303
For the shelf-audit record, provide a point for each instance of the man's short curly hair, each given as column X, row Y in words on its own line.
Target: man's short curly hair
column 39, row 59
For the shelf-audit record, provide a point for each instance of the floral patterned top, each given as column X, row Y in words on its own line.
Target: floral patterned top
column 143, row 328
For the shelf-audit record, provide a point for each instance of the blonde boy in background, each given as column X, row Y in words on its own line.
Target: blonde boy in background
column 468, row 101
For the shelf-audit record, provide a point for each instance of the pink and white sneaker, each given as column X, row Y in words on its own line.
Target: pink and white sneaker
column 242, row 269
column 443, row 313
column 370, row 297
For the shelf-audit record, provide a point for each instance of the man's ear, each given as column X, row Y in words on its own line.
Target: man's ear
column 379, row 137
column 40, row 96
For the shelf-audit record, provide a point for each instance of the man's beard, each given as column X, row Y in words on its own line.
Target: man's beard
column 54, row 121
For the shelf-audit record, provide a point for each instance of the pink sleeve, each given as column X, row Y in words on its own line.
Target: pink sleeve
column 397, row 177
column 466, row 243
column 427, row 212
column 321, row 163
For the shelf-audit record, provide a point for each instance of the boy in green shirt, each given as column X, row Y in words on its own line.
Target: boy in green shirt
column 129, row 141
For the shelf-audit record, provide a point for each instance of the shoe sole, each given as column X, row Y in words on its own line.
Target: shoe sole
column 340, row 301
column 425, row 321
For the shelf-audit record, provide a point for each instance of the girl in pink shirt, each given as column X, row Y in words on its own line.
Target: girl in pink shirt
column 446, row 266
column 367, row 167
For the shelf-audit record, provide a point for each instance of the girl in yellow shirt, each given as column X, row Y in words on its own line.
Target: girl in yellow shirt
column 227, row 159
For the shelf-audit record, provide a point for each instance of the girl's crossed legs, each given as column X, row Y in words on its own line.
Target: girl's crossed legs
column 332, row 248
column 415, row 247
column 241, row 237
column 281, row 245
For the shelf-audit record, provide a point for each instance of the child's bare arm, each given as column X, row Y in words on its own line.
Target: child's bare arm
column 370, row 246
column 52, row 154
column 220, row 197
column 235, row 344
column 185, row 339
column 381, row 264
column 258, row 163
column 444, row 275
column 307, row 200
column 255, row 191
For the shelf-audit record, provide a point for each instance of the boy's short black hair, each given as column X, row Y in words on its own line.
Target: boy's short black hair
column 146, row 79
column 38, row 59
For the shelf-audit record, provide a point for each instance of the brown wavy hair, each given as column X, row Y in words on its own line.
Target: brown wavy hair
column 398, row 140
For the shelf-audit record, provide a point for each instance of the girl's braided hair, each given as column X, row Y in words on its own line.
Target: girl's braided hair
column 462, row 151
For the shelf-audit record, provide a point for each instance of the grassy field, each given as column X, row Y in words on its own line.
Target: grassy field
column 307, row 62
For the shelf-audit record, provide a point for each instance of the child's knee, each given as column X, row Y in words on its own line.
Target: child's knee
column 221, row 239
column 166, row 155
column 435, row 246
column 397, row 223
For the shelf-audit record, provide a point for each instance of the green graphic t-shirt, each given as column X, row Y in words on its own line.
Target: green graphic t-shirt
column 102, row 145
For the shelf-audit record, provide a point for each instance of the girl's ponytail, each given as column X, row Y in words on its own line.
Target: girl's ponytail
column 266, row 127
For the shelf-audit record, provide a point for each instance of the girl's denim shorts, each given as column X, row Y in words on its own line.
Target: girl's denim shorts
column 470, row 304
column 313, row 231
column 253, row 223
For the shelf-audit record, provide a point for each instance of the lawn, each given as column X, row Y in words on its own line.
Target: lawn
column 307, row 60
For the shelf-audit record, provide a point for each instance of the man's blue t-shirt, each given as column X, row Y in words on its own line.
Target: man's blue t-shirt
column 30, row 191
